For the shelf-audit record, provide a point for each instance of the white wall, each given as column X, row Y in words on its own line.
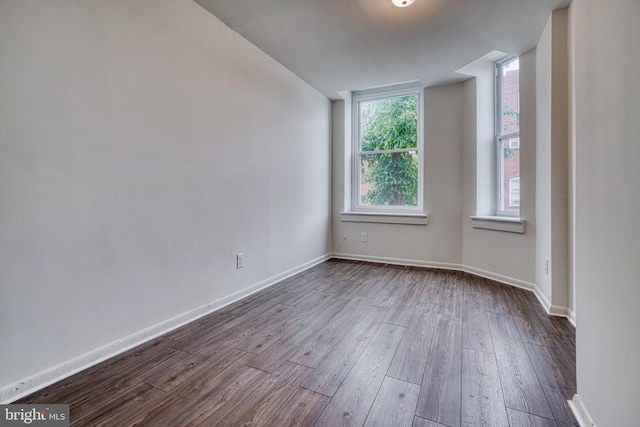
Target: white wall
column 142, row 145
column 544, row 63
column 504, row 256
column 607, row 234
column 439, row 243
column 552, row 164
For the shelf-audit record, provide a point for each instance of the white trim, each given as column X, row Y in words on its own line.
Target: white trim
column 499, row 223
column 397, row 261
column 580, row 412
column 522, row 284
column 441, row 265
column 407, row 87
column 558, row 311
column 33, row 383
column 385, row 218
column 552, row 310
column 542, row 298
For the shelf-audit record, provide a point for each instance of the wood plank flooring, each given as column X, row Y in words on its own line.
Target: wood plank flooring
column 344, row 344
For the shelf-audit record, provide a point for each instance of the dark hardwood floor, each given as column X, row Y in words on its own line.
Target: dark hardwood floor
column 344, row 344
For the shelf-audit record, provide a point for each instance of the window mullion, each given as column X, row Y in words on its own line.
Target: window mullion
column 397, row 150
column 508, row 136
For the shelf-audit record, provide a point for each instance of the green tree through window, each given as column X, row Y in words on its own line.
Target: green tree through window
column 389, row 151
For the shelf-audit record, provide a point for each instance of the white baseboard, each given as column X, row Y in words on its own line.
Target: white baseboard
column 442, row 265
column 37, row 381
column 552, row 310
column 26, row 386
column 397, row 261
column 499, row 278
column 580, row 412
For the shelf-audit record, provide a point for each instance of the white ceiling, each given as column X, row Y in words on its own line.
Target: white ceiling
column 337, row 45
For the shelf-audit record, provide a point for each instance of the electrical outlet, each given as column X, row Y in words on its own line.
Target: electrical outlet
column 364, row 238
column 239, row 261
column 546, row 266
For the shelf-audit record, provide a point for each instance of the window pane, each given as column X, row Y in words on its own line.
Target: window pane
column 510, row 91
column 389, row 179
column 508, row 137
column 509, row 176
column 389, row 123
column 514, row 192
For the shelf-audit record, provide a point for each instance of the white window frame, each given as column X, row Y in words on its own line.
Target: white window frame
column 381, row 93
column 500, row 140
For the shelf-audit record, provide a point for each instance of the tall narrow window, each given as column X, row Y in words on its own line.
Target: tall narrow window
column 508, row 137
column 387, row 150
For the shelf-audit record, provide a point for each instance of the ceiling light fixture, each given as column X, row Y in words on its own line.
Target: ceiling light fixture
column 402, row 3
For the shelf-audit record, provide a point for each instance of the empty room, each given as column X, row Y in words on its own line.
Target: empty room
column 319, row 213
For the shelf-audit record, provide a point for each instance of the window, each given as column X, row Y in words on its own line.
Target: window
column 514, row 192
column 387, row 154
column 508, row 137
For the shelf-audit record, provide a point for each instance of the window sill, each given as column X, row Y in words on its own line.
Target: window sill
column 499, row 223
column 385, row 218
